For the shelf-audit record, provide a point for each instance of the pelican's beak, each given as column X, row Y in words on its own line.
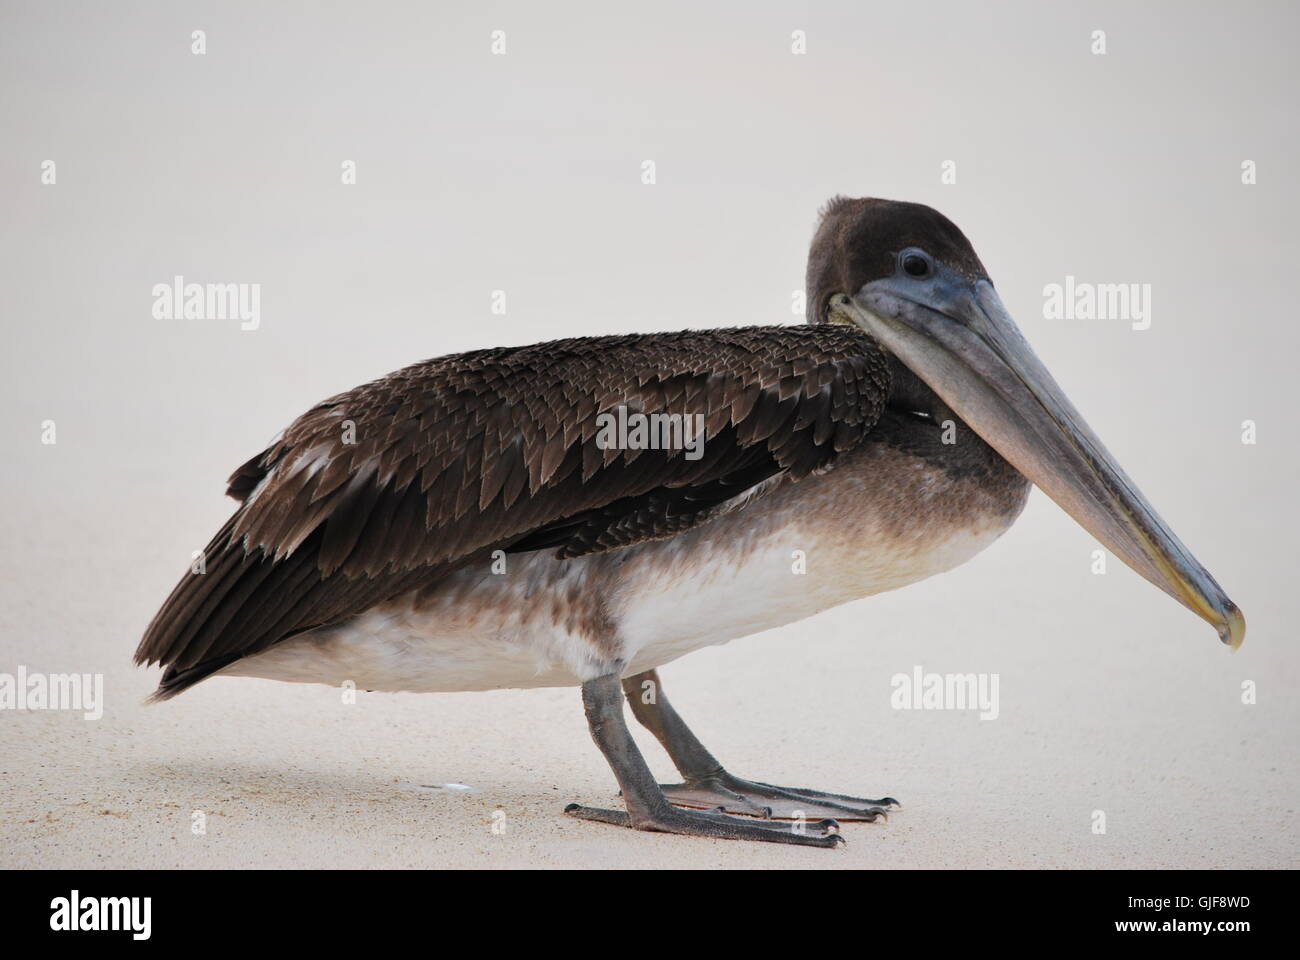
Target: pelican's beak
column 955, row 334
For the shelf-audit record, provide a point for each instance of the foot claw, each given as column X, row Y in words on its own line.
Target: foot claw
column 714, row 823
column 743, row 797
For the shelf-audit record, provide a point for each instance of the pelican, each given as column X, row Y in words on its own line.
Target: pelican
column 469, row 523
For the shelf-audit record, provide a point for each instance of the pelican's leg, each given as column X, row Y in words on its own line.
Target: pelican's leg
column 647, row 808
column 708, row 784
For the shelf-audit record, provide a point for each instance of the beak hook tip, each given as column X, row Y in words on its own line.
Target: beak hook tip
column 1233, row 631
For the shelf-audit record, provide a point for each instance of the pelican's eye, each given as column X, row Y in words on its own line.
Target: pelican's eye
column 915, row 263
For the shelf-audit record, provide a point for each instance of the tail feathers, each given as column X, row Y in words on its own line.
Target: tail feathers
column 178, row 681
column 191, row 620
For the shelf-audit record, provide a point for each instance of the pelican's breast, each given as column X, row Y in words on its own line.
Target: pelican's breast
column 903, row 507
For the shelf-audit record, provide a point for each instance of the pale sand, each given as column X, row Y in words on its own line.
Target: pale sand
column 1140, row 719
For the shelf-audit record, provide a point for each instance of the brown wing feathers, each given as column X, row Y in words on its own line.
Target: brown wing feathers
column 390, row 486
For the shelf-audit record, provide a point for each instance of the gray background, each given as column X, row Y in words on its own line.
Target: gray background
column 522, row 172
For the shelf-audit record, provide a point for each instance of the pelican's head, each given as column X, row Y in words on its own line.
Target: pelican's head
column 904, row 274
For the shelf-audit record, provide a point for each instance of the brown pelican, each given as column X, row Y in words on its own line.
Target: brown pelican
column 460, row 525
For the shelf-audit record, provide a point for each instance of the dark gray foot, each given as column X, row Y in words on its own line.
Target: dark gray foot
column 734, row 795
column 708, row 786
column 648, row 809
column 716, row 823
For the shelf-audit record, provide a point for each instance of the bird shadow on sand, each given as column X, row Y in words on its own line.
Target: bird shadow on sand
column 229, row 787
